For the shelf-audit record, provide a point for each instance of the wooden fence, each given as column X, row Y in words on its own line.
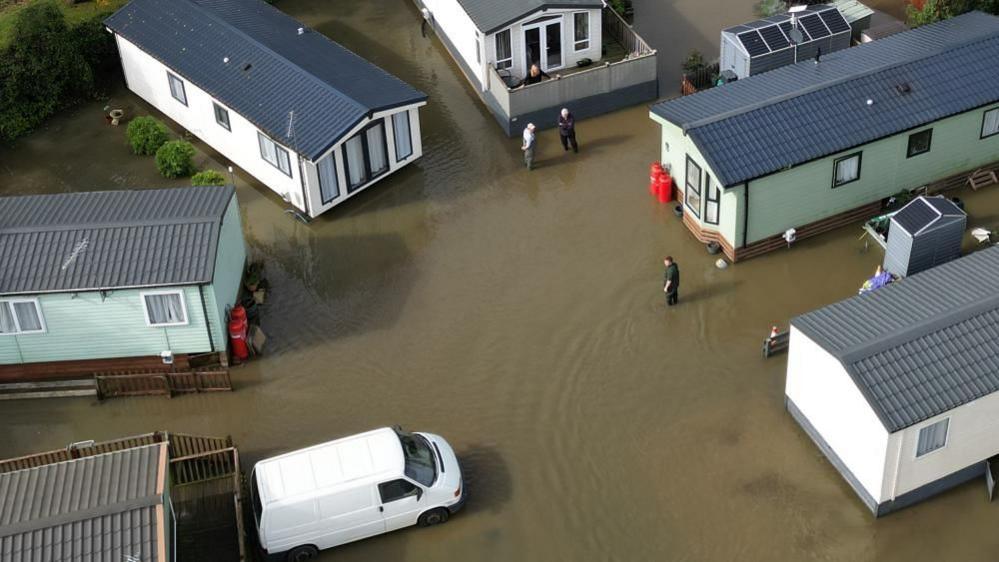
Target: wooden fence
column 110, row 385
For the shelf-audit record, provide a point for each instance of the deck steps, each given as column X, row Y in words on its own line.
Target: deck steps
column 982, row 178
column 48, row 389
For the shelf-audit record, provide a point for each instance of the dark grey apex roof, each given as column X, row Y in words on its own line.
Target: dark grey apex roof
column 493, row 15
column 329, row 88
column 925, row 211
column 921, row 346
column 110, row 239
column 801, row 112
column 95, row 508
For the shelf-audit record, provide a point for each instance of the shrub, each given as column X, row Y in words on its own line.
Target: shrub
column 208, row 177
column 146, row 135
column 174, row 159
column 767, row 8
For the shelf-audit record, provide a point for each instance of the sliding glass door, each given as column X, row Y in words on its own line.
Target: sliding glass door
column 365, row 155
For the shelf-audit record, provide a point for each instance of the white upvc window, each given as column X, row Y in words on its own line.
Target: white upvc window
column 164, row 308
column 932, row 437
column 846, row 170
column 990, row 123
column 581, row 31
column 274, row 154
column 177, row 88
column 504, row 50
column 21, row 316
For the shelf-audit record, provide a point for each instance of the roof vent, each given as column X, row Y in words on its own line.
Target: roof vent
column 301, row 31
column 870, row 102
column 818, row 53
column 225, row 60
column 247, row 67
column 904, row 88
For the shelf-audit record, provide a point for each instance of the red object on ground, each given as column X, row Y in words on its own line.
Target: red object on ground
column 655, row 173
column 664, row 188
column 238, row 327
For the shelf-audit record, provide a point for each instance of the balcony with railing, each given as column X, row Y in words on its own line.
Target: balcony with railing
column 625, row 75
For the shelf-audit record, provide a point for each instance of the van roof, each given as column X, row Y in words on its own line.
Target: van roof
column 351, row 460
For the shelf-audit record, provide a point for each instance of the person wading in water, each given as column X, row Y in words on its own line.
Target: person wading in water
column 671, row 281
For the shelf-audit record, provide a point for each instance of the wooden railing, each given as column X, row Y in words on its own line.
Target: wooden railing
column 110, row 385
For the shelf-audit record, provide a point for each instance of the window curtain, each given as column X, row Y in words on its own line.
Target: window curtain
column 376, row 148
column 932, row 437
column 403, row 138
column 267, row 149
column 991, row 125
column 7, row 325
column 328, row 187
column 581, row 24
column 165, row 309
column 27, row 316
column 354, row 149
column 503, row 51
column 846, row 170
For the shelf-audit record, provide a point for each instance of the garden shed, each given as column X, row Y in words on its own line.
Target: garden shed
column 925, row 233
column 769, row 43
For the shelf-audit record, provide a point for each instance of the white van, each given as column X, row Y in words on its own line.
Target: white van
column 353, row 488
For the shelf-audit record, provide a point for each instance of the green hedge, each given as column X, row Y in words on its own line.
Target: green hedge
column 175, row 159
column 208, row 177
column 48, row 64
column 146, row 135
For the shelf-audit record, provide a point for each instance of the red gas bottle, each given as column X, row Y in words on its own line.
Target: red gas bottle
column 664, row 189
column 238, row 327
column 655, row 174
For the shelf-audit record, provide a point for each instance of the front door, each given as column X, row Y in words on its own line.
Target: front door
column 543, row 44
column 400, row 503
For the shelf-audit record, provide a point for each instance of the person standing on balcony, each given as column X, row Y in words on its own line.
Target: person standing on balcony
column 534, row 76
column 528, row 146
column 567, row 130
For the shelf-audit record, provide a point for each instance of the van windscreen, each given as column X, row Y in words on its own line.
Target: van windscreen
column 420, row 463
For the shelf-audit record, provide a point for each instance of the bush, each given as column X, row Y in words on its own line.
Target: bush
column 208, row 177
column 174, row 159
column 146, row 135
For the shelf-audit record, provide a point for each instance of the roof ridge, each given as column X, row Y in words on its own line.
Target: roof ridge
column 135, row 223
column 939, row 51
column 217, row 18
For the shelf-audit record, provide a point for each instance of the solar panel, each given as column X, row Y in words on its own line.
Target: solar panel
column 754, row 43
column 774, row 38
column 815, row 27
column 786, row 27
column 835, row 21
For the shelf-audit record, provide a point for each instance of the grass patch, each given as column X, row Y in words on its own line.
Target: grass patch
column 74, row 13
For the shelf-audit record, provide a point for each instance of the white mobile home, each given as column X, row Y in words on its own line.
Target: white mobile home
column 306, row 117
column 496, row 42
column 899, row 387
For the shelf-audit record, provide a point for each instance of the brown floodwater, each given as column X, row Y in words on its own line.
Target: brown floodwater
column 521, row 316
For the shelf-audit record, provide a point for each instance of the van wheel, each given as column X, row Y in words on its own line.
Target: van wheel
column 302, row 553
column 433, row 517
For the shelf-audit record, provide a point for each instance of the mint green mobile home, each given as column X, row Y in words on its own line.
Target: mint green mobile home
column 822, row 143
column 116, row 280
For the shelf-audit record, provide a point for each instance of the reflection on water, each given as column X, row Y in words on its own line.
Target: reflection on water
column 520, row 315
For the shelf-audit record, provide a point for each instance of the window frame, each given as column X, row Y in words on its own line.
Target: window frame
column 183, row 308
column 17, row 321
column 218, row 108
column 589, row 34
column 946, row 438
column 171, row 77
column 985, row 115
column 686, row 186
column 909, row 153
column 336, row 176
column 503, row 64
column 363, row 135
column 278, row 150
column 860, row 161
column 414, row 492
column 710, row 188
column 395, row 135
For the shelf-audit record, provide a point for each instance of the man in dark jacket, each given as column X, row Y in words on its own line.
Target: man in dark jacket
column 534, row 75
column 567, row 130
column 671, row 281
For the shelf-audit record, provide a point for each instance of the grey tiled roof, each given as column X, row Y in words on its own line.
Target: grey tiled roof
column 921, row 346
column 492, row 15
column 95, row 508
column 797, row 113
column 329, row 88
column 110, row 239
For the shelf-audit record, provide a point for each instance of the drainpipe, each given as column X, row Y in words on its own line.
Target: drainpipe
column 898, row 465
column 745, row 215
column 204, row 310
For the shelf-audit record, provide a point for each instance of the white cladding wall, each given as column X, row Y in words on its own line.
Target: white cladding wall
column 451, row 20
column 823, row 391
column 569, row 55
column 147, row 77
column 972, row 437
column 316, row 204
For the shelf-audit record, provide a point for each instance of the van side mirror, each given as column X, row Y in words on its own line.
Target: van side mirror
column 419, row 493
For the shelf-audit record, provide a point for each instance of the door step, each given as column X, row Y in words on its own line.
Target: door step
column 47, row 389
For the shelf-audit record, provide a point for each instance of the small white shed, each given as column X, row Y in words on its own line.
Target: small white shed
column 899, row 387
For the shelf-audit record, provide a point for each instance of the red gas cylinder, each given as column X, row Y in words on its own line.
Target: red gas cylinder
column 664, row 188
column 238, row 327
column 655, row 173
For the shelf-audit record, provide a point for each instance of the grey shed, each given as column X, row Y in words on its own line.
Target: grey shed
column 768, row 43
column 925, row 233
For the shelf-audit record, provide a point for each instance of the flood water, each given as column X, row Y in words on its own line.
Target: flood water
column 521, row 316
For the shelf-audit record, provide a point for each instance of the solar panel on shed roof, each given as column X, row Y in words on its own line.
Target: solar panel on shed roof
column 753, row 43
column 815, row 27
column 835, row 21
column 774, row 38
column 914, row 216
